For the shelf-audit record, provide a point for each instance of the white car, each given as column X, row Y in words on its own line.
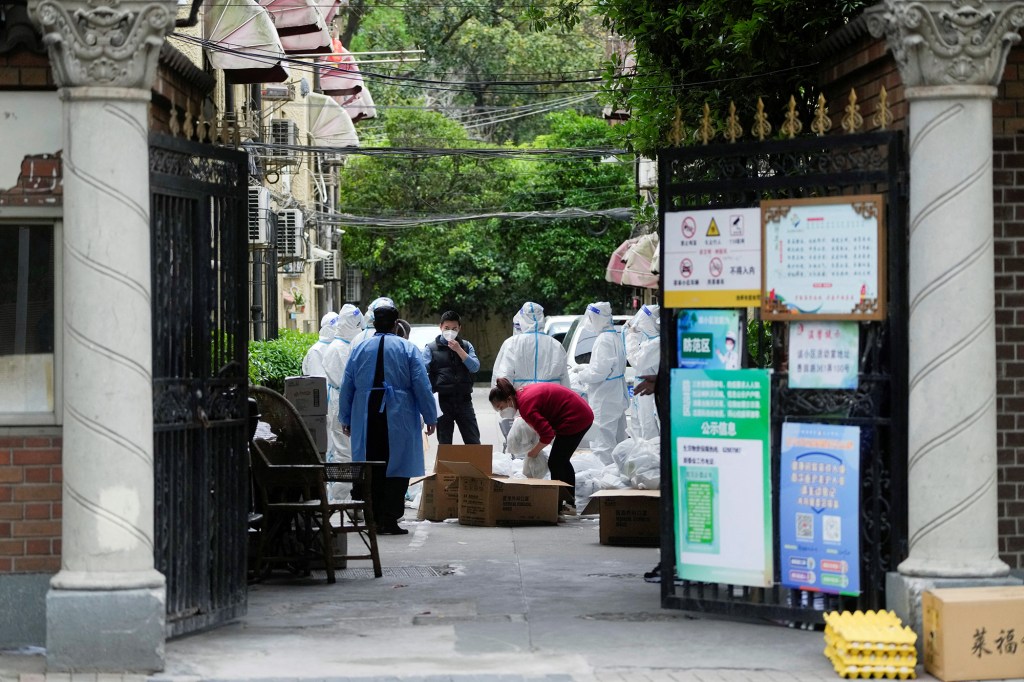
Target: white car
column 558, row 325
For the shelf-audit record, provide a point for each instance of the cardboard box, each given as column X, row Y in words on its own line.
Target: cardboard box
column 307, row 394
column 486, row 500
column 627, row 517
column 317, row 425
column 973, row 633
column 440, row 497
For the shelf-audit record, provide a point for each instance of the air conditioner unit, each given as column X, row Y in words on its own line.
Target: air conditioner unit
column 283, row 133
column 277, row 91
column 332, row 266
column 647, row 174
column 259, row 215
column 289, row 233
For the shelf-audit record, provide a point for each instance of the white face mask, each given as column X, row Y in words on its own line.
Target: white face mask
column 507, row 412
column 449, row 334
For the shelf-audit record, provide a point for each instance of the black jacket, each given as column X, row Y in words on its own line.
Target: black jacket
column 448, row 374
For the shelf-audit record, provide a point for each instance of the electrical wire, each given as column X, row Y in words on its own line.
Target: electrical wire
column 349, row 220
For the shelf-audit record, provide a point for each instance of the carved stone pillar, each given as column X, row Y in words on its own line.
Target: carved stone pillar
column 951, row 56
column 105, row 608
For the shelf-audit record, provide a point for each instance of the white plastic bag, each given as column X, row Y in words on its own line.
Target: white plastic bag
column 521, row 438
column 536, row 467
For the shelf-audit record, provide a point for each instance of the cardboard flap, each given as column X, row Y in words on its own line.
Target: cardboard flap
column 594, row 505
column 537, row 482
column 480, row 456
column 463, row 469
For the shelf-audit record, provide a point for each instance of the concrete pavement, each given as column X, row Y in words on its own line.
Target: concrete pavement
column 546, row 603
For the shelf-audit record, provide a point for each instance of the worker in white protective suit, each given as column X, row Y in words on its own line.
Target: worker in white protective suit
column 531, row 356
column 313, row 362
column 339, row 446
column 642, row 338
column 603, row 380
column 368, row 330
column 505, row 424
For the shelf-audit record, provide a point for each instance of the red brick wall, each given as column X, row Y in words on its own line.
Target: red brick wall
column 30, row 504
column 25, row 71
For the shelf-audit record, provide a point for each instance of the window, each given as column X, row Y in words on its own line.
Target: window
column 29, row 324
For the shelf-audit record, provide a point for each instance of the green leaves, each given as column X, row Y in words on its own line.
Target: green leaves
column 273, row 360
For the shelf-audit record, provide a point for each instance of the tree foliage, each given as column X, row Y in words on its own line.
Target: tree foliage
column 485, row 265
column 714, row 51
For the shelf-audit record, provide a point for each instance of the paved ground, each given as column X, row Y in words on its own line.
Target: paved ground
column 460, row 603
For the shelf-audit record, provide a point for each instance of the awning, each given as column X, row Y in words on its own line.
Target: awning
column 293, row 17
column 339, row 73
column 329, row 124
column 359, row 106
column 308, row 43
column 253, row 50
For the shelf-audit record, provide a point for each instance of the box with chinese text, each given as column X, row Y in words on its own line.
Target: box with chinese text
column 627, row 517
column 307, row 394
column 440, row 497
column 973, row 633
column 486, row 500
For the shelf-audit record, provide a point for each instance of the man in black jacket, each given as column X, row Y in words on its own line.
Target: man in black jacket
column 451, row 365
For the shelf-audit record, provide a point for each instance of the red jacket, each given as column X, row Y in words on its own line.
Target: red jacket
column 553, row 410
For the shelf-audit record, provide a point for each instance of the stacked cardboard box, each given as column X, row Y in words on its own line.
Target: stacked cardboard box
column 309, row 397
column 870, row 645
column 486, row 500
column 973, row 633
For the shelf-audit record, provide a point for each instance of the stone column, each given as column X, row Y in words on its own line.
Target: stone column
column 951, row 55
column 105, row 608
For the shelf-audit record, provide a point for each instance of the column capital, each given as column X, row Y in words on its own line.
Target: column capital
column 948, row 42
column 110, row 43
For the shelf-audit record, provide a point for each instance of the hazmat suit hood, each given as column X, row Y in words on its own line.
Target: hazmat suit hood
column 598, row 317
column 531, row 317
column 648, row 320
column 376, row 303
column 350, row 321
column 327, row 327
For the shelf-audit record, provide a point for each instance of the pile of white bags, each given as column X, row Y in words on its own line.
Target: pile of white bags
column 635, row 464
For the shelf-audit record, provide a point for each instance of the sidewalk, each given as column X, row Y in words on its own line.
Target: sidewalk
column 464, row 603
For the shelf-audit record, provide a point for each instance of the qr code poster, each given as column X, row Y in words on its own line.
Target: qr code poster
column 819, row 507
column 832, row 529
column 805, row 527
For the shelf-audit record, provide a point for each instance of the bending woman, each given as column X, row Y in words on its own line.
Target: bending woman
column 559, row 416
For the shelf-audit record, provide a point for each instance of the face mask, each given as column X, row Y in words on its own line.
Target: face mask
column 507, row 412
column 449, row 334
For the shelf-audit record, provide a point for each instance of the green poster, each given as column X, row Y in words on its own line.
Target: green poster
column 721, row 459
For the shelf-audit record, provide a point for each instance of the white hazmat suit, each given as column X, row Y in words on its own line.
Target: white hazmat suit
column 604, row 380
column 313, row 362
column 339, row 446
column 643, row 350
column 531, row 357
column 368, row 330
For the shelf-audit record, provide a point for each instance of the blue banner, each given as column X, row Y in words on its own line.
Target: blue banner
column 819, row 508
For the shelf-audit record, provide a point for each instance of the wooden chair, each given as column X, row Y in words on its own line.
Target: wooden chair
column 291, row 482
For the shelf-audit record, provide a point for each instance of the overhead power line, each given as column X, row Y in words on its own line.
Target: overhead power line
column 400, row 223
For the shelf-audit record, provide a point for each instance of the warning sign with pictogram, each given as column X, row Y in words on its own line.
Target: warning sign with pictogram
column 712, row 261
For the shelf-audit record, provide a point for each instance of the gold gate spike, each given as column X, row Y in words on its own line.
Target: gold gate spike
column 173, row 122
column 852, row 120
column 883, row 119
column 707, row 129
column 792, row 126
column 733, row 129
column 188, row 128
column 761, row 128
column 678, row 133
column 822, row 123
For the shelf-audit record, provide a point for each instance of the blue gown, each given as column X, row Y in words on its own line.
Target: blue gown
column 407, row 397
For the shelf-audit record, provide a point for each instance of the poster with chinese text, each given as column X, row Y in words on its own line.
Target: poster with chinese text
column 824, row 258
column 819, row 508
column 709, row 339
column 721, row 462
column 712, row 258
column 823, row 354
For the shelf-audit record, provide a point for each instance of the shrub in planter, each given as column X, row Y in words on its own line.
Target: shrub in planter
column 272, row 360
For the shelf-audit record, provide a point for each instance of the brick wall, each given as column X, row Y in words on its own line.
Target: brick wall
column 25, row 70
column 30, row 504
column 1008, row 181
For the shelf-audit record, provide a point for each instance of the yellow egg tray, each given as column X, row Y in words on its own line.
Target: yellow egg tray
column 872, row 644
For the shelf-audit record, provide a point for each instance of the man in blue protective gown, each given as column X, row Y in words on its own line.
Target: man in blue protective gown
column 384, row 394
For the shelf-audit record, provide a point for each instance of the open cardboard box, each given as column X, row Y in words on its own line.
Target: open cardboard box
column 440, row 497
column 627, row 517
column 486, row 500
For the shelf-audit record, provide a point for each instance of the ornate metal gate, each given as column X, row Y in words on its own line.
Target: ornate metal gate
column 741, row 175
column 200, row 336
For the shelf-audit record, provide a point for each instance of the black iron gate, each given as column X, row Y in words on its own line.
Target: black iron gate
column 741, row 175
column 200, row 336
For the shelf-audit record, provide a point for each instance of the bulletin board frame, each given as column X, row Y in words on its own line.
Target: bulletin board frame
column 777, row 293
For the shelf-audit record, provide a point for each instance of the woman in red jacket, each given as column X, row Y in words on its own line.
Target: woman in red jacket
column 559, row 416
